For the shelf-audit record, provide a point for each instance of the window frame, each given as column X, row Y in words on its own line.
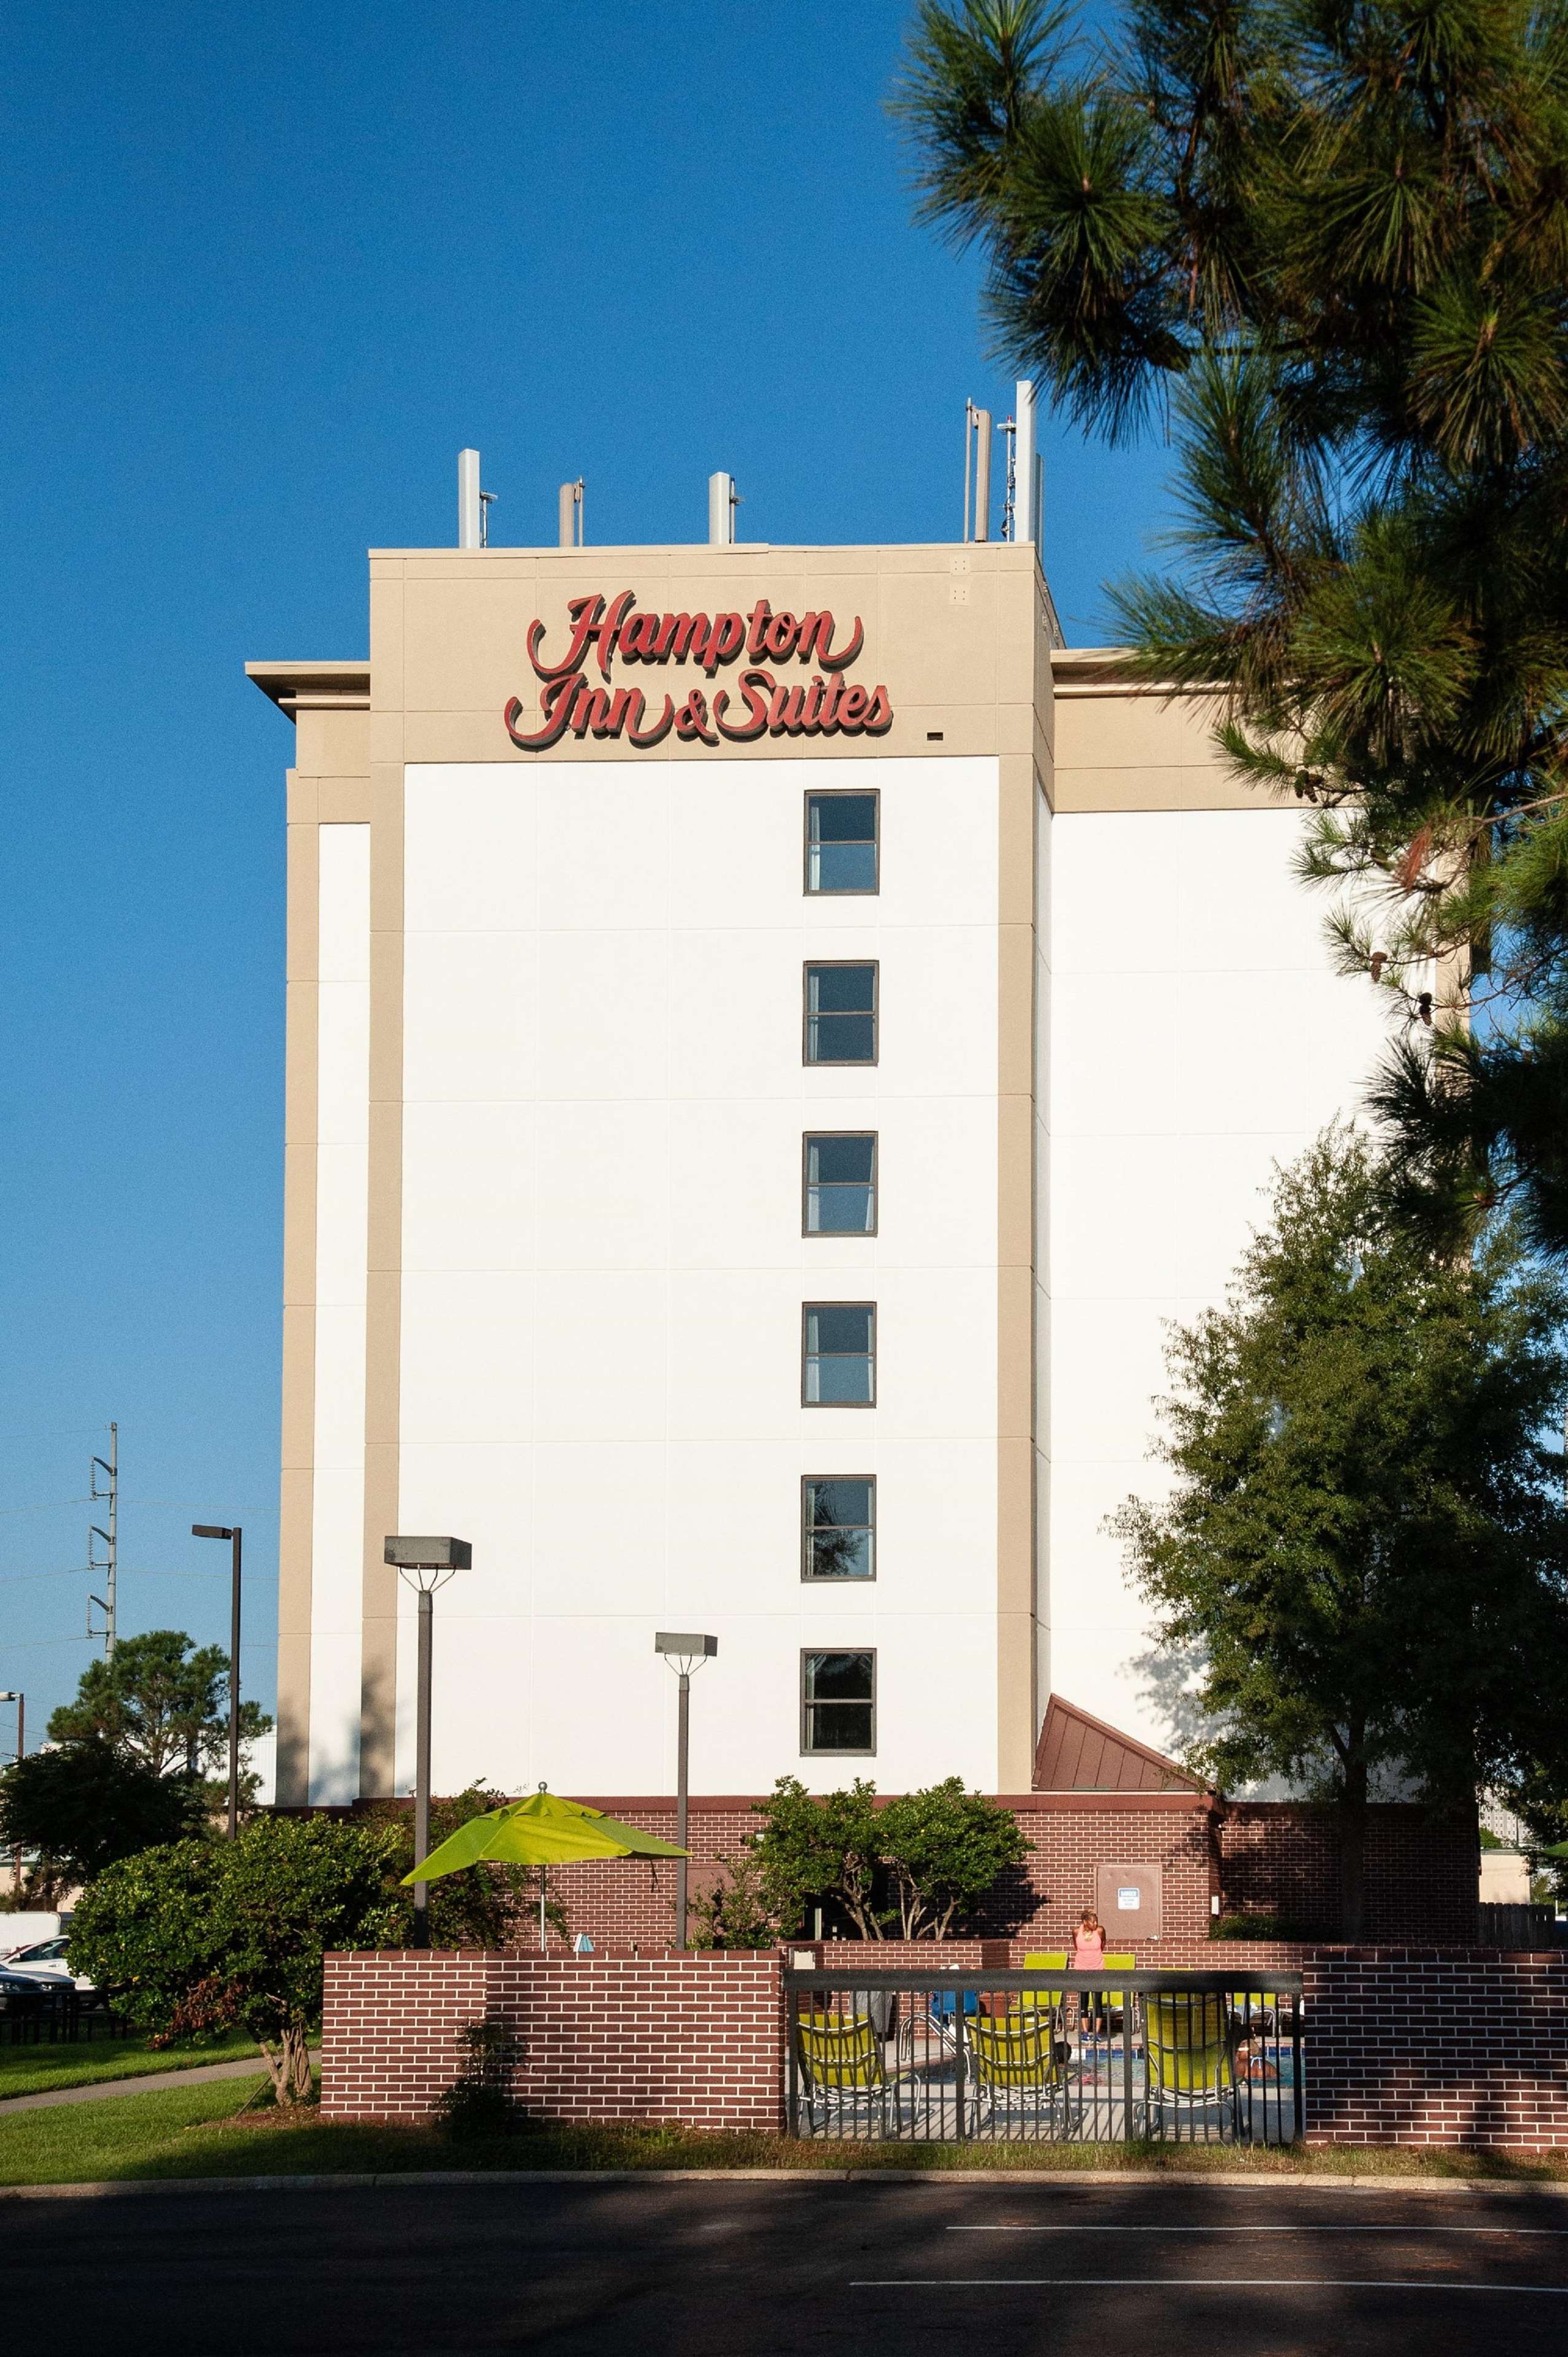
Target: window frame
column 811, row 1064
column 840, row 1236
column 809, row 1578
column 853, row 1407
column 841, row 793
column 808, row 1704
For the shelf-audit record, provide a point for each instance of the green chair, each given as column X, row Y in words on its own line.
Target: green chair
column 1014, row 2061
column 842, row 2070
column 1049, row 1960
column 1115, row 2000
column 1188, row 2056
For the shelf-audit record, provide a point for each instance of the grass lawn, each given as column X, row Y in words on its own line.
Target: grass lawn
column 201, row 2132
column 31, row 2069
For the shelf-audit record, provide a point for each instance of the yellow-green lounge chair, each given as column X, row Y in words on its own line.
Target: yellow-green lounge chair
column 843, row 2071
column 1113, row 2001
column 1188, row 2055
column 1013, row 2057
column 1048, row 1960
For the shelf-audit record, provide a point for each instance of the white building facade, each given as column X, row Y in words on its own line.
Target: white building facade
column 755, row 1094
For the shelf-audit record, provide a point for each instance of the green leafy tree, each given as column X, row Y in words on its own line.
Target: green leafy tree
column 1332, row 236
column 908, row 1868
column 945, row 1848
column 736, row 1911
column 160, row 1700
column 83, row 1806
column 204, row 1935
column 1363, row 1559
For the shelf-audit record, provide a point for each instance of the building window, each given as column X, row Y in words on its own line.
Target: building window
column 841, row 1013
column 840, row 1354
column 837, row 1537
column 838, row 1702
column 841, row 842
column 840, row 1184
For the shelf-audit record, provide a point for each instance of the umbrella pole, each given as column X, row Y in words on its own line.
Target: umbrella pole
column 542, row 1877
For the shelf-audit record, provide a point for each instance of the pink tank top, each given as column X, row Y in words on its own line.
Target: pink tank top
column 1088, row 1952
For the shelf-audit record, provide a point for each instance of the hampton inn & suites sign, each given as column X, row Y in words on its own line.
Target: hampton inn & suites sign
column 758, row 703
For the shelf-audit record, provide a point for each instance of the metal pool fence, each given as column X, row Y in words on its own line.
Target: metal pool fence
column 1044, row 2055
column 54, row 2020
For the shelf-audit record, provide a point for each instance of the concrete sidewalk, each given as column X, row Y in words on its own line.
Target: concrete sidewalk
column 97, row 2088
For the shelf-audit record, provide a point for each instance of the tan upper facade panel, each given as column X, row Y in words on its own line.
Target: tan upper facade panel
column 1121, row 746
column 960, row 639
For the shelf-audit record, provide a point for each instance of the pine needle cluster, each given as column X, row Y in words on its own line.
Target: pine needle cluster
column 1326, row 242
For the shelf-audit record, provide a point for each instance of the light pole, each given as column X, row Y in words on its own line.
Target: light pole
column 684, row 1653
column 220, row 1531
column 426, row 1564
column 16, row 1695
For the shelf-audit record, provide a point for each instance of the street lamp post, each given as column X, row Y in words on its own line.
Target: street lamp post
column 220, row 1531
column 16, row 1695
column 426, row 1564
column 684, row 1653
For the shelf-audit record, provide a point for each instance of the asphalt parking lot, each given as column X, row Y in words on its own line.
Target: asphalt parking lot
column 744, row 2270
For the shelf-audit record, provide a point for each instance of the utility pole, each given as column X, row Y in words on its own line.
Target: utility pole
column 109, row 1467
column 20, row 1699
column 234, row 1536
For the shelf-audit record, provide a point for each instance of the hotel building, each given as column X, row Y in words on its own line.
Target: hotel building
column 772, row 1035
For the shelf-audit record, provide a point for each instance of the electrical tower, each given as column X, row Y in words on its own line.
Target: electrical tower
column 109, row 1467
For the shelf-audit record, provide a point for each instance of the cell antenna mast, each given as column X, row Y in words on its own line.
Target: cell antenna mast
column 110, row 1468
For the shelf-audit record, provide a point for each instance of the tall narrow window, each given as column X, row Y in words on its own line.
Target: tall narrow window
column 838, row 1702
column 840, row 1184
column 838, row 1539
column 841, row 842
column 841, row 1013
column 839, row 1355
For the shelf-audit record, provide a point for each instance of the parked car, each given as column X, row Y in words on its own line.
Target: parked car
column 26, row 1992
column 45, row 1962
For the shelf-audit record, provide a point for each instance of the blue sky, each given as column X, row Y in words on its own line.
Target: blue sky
column 267, row 270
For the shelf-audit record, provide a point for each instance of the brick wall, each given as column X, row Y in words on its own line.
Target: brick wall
column 1282, row 1857
column 1274, row 1857
column 1403, row 2045
column 695, row 2038
column 1422, row 2047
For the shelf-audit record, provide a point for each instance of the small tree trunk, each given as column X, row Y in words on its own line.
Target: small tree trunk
column 288, row 2066
column 1353, row 1848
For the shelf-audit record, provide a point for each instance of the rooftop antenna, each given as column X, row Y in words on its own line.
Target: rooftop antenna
column 976, row 471
column 470, row 502
column 1025, row 490
column 485, row 499
column 722, row 501
column 110, row 1468
column 571, row 514
column 1008, row 429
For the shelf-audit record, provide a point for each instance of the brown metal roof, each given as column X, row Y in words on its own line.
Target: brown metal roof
column 1077, row 1753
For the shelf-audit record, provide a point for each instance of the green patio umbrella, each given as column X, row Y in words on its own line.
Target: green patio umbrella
column 543, row 1831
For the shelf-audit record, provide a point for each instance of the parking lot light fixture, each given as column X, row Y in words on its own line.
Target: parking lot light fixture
column 684, row 1653
column 426, row 1564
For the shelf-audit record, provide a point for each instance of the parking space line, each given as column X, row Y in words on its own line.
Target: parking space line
column 1560, row 2232
column 1190, row 2283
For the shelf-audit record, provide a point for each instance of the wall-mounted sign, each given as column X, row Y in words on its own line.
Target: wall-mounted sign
column 763, row 704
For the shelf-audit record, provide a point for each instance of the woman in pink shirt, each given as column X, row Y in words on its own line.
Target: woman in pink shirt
column 1088, row 1942
column 1087, row 1956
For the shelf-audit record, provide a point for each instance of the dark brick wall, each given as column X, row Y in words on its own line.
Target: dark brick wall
column 1282, row 1857
column 1421, row 2047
